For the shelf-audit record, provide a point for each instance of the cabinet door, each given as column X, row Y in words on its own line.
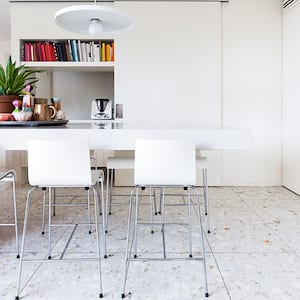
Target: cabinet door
column 168, row 67
column 291, row 103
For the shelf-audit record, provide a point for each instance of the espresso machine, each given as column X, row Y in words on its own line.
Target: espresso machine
column 101, row 109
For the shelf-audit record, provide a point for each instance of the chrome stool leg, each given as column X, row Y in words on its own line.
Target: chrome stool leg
column 110, row 189
column 23, row 242
column 151, row 209
column 15, row 212
column 97, row 213
column 89, row 208
column 43, row 209
column 190, row 222
column 126, row 263
column 202, row 246
column 163, row 221
column 136, row 222
column 49, row 222
column 206, row 204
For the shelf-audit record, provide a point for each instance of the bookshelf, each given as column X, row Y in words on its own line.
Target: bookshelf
column 70, row 54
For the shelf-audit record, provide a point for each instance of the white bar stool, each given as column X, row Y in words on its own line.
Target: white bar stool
column 10, row 176
column 163, row 163
column 70, row 167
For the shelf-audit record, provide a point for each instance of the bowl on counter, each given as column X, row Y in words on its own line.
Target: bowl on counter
column 6, row 117
column 22, row 115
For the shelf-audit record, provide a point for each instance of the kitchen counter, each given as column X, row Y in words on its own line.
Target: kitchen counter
column 111, row 135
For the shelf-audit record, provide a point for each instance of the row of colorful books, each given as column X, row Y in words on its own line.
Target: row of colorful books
column 68, row 50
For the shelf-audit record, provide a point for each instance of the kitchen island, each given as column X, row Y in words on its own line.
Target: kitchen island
column 111, row 135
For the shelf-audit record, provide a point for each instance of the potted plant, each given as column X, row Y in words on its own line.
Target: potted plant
column 13, row 81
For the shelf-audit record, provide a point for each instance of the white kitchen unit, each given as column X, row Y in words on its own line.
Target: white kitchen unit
column 122, row 136
column 77, row 84
column 194, row 62
column 168, row 70
column 291, row 98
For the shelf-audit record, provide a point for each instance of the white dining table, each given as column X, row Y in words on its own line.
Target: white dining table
column 111, row 135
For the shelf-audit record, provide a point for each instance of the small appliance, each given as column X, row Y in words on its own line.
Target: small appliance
column 101, row 109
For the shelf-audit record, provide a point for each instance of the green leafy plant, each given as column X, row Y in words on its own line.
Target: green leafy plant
column 13, row 79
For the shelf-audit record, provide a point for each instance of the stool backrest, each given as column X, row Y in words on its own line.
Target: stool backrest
column 59, row 163
column 164, row 162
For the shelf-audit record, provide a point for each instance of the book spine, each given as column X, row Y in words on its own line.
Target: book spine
column 89, row 49
column 96, row 52
column 43, row 51
column 79, row 50
column 113, row 51
column 70, row 51
column 102, row 51
column 107, row 52
column 74, row 50
column 83, row 52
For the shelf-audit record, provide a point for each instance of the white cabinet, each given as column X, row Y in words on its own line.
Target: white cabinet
column 291, row 103
column 168, row 67
column 77, row 83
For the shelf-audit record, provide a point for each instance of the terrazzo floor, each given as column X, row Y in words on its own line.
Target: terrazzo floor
column 253, row 250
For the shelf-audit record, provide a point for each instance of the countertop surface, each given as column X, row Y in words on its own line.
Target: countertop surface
column 112, row 135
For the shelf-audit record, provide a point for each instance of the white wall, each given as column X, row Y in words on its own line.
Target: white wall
column 78, row 89
column 4, row 52
column 168, row 66
column 231, row 76
column 291, row 99
column 251, row 95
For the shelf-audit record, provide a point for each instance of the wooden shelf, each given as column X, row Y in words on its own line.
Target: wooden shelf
column 71, row 66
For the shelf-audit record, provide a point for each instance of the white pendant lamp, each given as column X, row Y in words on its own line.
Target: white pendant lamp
column 93, row 19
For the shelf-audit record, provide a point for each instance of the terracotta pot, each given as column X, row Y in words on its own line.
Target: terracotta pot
column 6, row 103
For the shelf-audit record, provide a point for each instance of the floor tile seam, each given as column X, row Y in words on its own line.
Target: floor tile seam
column 61, row 235
column 64, row 232
column 247, row 204
column 256, row 252
column 30, row 277
column 277, row 235
column 172, row 253
column 266, row 224
column 297, row 254
column 218, row 267
column 290, row 191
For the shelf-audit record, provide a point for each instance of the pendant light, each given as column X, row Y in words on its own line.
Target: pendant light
column 92, row 19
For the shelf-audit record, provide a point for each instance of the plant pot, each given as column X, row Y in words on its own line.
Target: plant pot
column 6, row 105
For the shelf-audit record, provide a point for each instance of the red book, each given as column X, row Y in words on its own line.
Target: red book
column 43, row 52
column 53, row 52
column 34, row 52
column 26, row 51
column 38, row 51
column 48, row 51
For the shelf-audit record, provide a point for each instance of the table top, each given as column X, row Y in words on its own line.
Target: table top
column 111, row 135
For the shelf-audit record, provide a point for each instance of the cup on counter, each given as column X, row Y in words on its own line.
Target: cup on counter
column 40, row 101
column 56, row 102
column 44, row 112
